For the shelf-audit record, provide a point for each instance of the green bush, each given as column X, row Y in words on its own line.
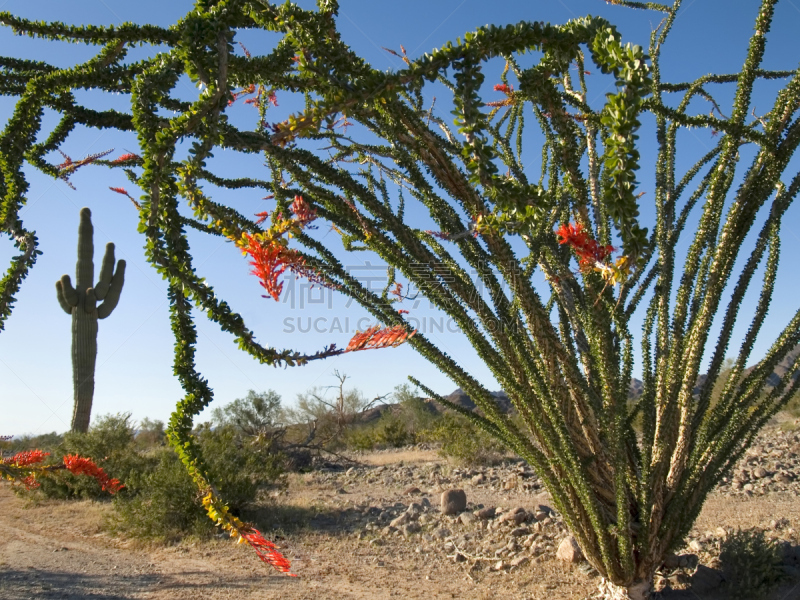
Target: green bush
column 159, row 500
column 389, row 431
column 752, row 564
column 463, row 442
column 110, row 443
column 161, row 503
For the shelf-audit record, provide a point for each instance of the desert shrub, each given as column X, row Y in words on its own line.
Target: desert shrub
column 161, row 501
column 258, row 413
column 751, row 563
column 391, row 430
column 47, row 442
column 464, row 442
column 111, row 443
column 150, row 434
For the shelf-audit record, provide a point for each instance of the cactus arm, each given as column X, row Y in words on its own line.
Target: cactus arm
column 106, row 272
column 84, row 269
column 70, row 293
column 62, row 300
column 114, row 290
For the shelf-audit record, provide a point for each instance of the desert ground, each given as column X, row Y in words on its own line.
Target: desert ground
column 374, row 528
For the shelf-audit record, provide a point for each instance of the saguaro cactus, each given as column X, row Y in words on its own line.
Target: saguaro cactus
column 81, row 303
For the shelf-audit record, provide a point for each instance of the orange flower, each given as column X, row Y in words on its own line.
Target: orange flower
column 502, row 87
column 270, row 259
column 79, row 465
column 23, row 459
column 130, row 156
column 375, row 337
column 589, row 252
column 265, row 549
column 302, row 211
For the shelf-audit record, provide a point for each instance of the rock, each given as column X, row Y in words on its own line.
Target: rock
column 520, row 531
column 412, row 491
column 410, row 528
column 479, row 479
column 499, row 565
column 453, row 502
column 401, row 520
column 441, row 533
column 516, row 515
column 704, row 580
column 458, row 557
column 695, row 546
column 486, row 513
column 569, row 551
column 519, row 561
column 671, row 561
column 760, row 472
column 467, row 518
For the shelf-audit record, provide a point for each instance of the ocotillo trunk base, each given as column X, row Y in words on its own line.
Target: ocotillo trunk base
column 638, row 590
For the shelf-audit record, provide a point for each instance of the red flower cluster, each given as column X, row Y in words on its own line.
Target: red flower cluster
column 129, row 157
column 125, row 193
column 502, row 87
column 23, row 459
column 250, row 89
column 588, row 250
column 303, row 213
column 375, row 337
column 265, row 549
column 78, row 465
column 271, row 259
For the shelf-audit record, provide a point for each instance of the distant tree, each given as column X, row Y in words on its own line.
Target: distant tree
column 151, row 432
column 257, row 414
column 327, row 417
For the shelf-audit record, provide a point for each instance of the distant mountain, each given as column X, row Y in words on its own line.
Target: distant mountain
column 637, row 387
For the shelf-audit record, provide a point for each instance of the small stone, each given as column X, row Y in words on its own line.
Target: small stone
column 499, row 565
column 695, row 546
column 479, row 479
column 410, row 528
column 453, row 502
column 412, row 491
column 401, row 520
column 520, row 531
column 672, row 561
column 569, row 551
column 517, row 516
column 519, row 561
column 486, row 513
column 458, row 557
column 467, row 518
column 760, row 472
column 441, row 533
column 704, row 580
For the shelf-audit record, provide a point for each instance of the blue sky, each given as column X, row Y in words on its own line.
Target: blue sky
column 134, row 365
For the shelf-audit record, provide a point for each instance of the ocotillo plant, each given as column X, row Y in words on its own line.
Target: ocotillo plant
column 563, row 349
column 81, row 302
